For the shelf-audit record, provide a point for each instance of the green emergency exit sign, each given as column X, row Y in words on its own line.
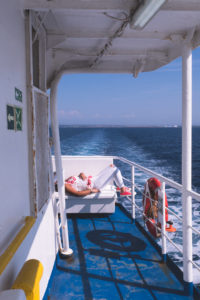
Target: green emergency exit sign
column 14, row 118
column 18, row 95
column 18, row 118
column 10, row 117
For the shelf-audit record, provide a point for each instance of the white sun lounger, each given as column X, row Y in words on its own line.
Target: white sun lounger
column 103, row 202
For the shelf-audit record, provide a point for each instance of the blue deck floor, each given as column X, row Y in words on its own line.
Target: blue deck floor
column 112, row 260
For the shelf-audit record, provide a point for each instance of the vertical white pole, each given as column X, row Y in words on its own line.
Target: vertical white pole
column 133, row 191
column 164, row 247
column 187, row 163
column 66, row 251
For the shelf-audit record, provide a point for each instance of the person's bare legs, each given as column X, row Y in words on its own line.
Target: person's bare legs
column 119, row 180
column 109, row 173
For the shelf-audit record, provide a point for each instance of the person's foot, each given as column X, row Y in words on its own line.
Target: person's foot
column 125, row 191
column 125, row 188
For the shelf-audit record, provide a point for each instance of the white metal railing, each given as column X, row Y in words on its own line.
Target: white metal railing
column 167, row 181
column 164, row 180
column 173, row 213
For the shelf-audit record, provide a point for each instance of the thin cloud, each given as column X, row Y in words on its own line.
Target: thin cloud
column 128, row 116
column 69, row 114
column 97, row 116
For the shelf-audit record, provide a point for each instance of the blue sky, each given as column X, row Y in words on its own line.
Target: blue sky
column 152, row 99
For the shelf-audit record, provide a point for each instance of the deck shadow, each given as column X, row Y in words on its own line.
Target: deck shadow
column 113, row 260
column 101, row 254
column 116, row 240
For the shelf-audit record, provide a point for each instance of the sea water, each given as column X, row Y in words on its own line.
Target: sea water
column 158, row 149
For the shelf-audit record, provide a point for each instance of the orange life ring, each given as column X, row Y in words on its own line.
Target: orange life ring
column 150, row 206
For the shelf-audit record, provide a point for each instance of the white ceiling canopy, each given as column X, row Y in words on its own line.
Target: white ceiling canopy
column 95, row 36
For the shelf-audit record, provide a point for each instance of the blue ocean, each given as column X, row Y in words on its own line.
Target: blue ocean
column 158, row 149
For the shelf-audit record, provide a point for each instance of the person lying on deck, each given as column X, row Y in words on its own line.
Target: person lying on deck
column 83, row 185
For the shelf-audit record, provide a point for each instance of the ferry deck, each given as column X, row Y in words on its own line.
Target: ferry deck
column 42, row 40
column 113, row 259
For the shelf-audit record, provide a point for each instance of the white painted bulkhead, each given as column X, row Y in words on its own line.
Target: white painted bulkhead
column 15, row 187
column 39, row 244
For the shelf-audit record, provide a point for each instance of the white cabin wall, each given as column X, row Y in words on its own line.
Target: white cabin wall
column 40, row 243
column 14, row 177
column 44, row 246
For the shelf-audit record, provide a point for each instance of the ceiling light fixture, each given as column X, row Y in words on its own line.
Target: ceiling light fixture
column 145, row 12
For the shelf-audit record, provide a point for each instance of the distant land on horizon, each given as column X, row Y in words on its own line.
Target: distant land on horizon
column 120, row 126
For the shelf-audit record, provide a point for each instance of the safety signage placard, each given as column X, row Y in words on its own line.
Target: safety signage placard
column 18, row 118
column 18, row 95
column 14, row 118
column 10, row 117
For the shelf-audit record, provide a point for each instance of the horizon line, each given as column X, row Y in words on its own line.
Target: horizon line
column 122, row 126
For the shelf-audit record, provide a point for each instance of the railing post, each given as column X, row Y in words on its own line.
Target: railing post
column 164, row 247
column 187, row 165
column 133, row 191
column 66, row 250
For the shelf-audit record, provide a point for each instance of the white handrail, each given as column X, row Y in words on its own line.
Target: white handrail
column 66, row 251
column 142, row 213
column 126, row 179
column 159, row 229
column 179, row 249
column 152, row 173
column 194, row 264
column 195, row 230
column 198, row 232
column 194, row 195
column 169, row 182
column 173, row 213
